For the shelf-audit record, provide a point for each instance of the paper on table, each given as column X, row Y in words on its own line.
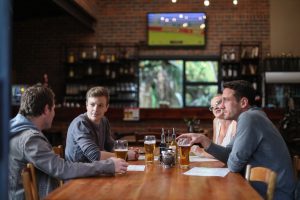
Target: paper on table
column 142, row 157
column 204, row 171
column 201, row 159
column 136, row 168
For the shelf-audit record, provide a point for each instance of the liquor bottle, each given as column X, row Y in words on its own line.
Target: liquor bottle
column 71, row 72
column 90, row 70
column 173, row 145
column 168, row 138
column 94, row 52
column 163, row 145
column 232, row 55
column 71, row 58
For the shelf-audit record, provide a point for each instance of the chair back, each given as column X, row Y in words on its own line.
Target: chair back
column 296, row 166
column 29, row 182
column 265, row 175
column 59, row 150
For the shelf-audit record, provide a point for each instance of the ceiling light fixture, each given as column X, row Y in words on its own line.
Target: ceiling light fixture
column 235, row 2
column 174, row 1
column 206, row 2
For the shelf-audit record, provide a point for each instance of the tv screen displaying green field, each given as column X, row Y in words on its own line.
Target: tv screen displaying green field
column 176, row 29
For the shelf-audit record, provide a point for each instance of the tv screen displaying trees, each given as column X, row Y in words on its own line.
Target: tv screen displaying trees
column 176, row 29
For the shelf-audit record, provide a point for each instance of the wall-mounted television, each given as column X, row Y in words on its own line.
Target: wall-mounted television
column 176, row 29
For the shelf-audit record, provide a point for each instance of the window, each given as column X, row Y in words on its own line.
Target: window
column 201, row 82
column 160, row 83
column 177, row 83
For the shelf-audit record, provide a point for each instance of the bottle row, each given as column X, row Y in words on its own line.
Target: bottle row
column 233, row 71
column 110, row 72
column 232, row 54
column 283, row 63
column 105, row 54
column 283, row 90
column 79, row 101
column 81, row 89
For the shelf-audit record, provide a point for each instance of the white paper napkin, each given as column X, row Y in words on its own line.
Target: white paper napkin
column 204, row 171
column 136, row 168
column 201, row 159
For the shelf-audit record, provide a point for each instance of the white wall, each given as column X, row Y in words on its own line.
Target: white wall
column 285, row 26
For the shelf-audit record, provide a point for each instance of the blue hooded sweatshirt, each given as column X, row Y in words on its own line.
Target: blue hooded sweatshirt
column 20, row 123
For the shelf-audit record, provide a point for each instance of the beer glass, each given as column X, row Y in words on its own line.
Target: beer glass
column 184, row 152
column 149, row 145
column 121, row 148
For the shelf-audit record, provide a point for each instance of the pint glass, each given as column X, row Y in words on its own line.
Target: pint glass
column 149, row 145
column 184, row 152
column 121, row 148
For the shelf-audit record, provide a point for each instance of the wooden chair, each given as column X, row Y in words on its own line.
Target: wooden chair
column 265, row 175
column 59, row 150
column 296, row 166
column 29, row 182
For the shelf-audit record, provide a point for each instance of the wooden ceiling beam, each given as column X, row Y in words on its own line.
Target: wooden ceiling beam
column 78, row 12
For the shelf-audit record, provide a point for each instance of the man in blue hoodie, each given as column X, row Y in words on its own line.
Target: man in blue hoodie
column 29, row 145
column 257, row 141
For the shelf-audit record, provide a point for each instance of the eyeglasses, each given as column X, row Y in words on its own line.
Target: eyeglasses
column 211, row 108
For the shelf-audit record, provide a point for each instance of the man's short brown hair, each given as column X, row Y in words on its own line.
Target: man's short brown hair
column 98, row 91
column 242, row 89
column 34, row 99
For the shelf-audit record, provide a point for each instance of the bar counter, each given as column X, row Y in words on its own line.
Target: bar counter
column 150, row 119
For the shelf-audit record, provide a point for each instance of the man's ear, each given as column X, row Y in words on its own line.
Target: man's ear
column 244, row 102
column 46, row 109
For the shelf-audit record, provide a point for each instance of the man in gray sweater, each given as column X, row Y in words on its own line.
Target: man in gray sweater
column 89, row 135
column 29, row 145
column 257, row 141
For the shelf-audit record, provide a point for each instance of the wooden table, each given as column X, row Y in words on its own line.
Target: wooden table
column 157, row 182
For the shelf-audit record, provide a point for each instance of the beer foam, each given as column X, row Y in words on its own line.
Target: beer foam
column 121, row 150
column 184, row 145
column 150, row 142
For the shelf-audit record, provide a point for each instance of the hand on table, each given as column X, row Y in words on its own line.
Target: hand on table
column 133, row 153
column 120, row 165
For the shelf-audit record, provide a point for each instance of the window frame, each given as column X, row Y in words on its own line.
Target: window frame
column 199, row 83
column 186, row 83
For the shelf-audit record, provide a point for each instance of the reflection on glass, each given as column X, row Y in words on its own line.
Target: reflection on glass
column 281, row 95
column 200, row 95
column 201, row 71
column 160, row 83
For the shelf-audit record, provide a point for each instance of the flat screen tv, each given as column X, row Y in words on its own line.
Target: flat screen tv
column 176, row 29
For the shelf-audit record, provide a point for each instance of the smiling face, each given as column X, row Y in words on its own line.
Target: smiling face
column 96, row 108
column 215, row 106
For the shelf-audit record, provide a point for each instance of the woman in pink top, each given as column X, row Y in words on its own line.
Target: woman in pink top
column 223, row 130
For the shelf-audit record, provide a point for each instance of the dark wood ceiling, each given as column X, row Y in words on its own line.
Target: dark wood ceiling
column 29, row 9
column 37, row 9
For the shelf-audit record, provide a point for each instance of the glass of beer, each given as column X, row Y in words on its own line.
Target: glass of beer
column 149, row 145
column 121, row 148
column 184, row 152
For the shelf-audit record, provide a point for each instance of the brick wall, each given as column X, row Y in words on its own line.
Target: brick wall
column 37, row 44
